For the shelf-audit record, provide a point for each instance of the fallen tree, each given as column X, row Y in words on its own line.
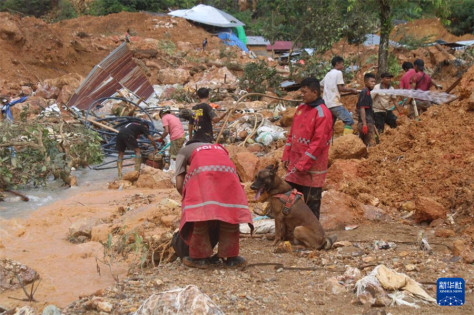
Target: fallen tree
column 33, row 151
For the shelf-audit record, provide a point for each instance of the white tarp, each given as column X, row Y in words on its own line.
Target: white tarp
column 206, row 14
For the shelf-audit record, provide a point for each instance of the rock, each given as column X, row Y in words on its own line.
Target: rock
column 169, row 220
column 26, row 90
column 340, row 173
column 338, row 210
column 375, row 214
column 458, row 247
column 468, row 256
column 352, row 274
column 287, row 117
column 375, row 312
column 444, row 233
column 184, row 46
column 100, row 233
column 368, row 199
column 410, row 267
column 347, row 147
column 10, row 31
column 428, row 210
column 82, row 227
column 188, row 300
column 65, row 94
column 255, row 148
column 9, row 270
column 437, row 222
column 131, row 176
column 213, row 78
column 104, row 306
column 25, row 310
column 154, row 182
column 173, row 76
column 341, row 244
column 368, row 259
column 408, row 206
column 338, row 128
column 334, row 286
column 247, row 165
column 120, row 184
column 47, row 90
column 51, row 310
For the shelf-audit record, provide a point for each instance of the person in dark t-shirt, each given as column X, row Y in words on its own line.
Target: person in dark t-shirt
column 365, row 112
column 204, row 116
column 127, row 138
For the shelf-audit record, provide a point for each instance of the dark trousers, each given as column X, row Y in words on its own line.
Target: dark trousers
column 382, row 118
column 312, row 197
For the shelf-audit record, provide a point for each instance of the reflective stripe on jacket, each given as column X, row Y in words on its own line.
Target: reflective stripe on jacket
column 212, row 190
column 307, row 146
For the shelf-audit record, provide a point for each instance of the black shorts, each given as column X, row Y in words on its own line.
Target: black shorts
column 125, row 141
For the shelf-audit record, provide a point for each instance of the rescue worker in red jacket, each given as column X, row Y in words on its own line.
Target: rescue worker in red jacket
column 307, row 148
column 213, row 202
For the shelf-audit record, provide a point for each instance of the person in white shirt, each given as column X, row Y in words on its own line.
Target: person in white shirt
column 384, row 104
column 333, row 85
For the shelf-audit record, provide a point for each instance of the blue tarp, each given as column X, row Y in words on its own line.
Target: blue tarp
column 230, row 39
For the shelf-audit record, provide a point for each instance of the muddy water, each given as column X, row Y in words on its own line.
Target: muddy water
column 37, row 237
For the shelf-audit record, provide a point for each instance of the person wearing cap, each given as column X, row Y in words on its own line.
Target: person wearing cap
column 383, row 104
column 174, row 128
column 422, row 81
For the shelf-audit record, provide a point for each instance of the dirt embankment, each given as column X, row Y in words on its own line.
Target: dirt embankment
column 32, row 50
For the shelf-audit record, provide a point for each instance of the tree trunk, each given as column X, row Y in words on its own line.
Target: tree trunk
column 385, row 29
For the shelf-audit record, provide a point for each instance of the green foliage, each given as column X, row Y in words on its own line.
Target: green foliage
column 27, row 7
column 259, row 78
column 167, row 46
column 43, row 149
column 412, row 42
column 65, row 11
column 461, row 17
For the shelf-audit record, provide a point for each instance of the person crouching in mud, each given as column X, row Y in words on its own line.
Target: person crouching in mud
column 213, row 205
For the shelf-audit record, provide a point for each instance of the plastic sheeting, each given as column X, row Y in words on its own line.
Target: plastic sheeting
column 208, row 15
column 435, row 97
column 230, row 39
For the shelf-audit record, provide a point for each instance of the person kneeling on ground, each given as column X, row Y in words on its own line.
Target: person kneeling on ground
column 365, row 113
column 174, row 128
column 213, row 203
column 127, row 138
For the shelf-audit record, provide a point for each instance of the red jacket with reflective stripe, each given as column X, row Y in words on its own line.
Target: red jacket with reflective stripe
column 307, row 147
column 212, row 189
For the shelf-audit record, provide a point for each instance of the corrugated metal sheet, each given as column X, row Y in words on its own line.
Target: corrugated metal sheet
column 116, row 71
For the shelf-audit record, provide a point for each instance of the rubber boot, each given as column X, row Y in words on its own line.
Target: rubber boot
column 119, row 168
column 172, row 167
column 138, row 162
column 347, row 130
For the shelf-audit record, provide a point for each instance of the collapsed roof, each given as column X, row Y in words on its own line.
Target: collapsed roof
column 206, row 14
column 116, row 71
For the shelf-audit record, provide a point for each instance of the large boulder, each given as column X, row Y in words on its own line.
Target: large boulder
column 427, row 210
column 214, row 78
column 154, row 178
column 338, row 210
column 10, row 271
column 80, row 230
column 9, row 30
column 247, row 165
column 173, row 76
column 347, row 147
column 340, row 173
